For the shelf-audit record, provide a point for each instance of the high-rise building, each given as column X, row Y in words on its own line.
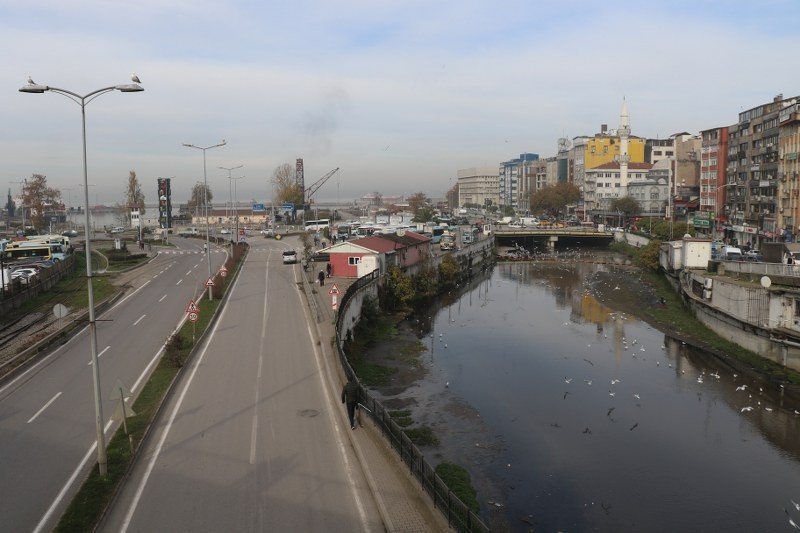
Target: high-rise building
column 478, row 186
column 713, row 165
column 512, row 174
column 788, row 220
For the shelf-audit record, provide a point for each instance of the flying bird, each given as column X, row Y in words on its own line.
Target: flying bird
column 634, row 426
column 135, row 78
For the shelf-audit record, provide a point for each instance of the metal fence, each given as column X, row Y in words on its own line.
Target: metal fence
column 764, row 269
column 458, row 515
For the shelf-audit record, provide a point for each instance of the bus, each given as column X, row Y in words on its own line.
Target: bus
column 318, row 225
column 436, row 234
column 58, row 251
column 28, row 253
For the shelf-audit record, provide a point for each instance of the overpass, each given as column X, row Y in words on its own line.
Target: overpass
column 550, row 238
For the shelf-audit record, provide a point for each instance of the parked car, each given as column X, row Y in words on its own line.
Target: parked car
column 70, row 233
column 224, row 231
column 289, row 257
column 269, row 232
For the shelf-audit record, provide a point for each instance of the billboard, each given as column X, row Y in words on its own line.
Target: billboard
column 164, row 203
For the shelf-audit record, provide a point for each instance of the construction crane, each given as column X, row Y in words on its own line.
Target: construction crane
column 314, row 187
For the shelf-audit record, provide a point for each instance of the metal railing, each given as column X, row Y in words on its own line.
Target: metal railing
column 458, row 515
column 764, row 269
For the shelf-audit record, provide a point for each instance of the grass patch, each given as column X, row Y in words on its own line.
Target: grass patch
column 459, row 481
column 422, row 436
column 402, row 418
column 371, row 374
column 95, row 493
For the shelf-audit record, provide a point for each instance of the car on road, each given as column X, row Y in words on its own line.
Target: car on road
column 224, row 231
column 70, row 233
column 269, row 232
column 289, row 257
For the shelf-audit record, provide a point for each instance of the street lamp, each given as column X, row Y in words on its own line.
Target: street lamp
column 230, row 198
column 205, row 186
column 716, row 207
column 82, row 101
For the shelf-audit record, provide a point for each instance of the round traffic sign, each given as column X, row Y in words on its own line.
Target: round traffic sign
column 193, row 317
column 223, row 272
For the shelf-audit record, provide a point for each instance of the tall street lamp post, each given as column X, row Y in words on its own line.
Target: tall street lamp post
column 82, row 101
column 230, row 198
column 205, row 191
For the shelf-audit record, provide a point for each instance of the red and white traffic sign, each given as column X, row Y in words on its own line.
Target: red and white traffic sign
column 334, row 290
column 192, row 307
column 210, row 282
column 193, row 316
column 223, row 272
column 334, row 302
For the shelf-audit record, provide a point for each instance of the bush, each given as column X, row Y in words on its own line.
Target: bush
column 458, row 480
column 449, row 271
column 177, row 349
column 648, row 255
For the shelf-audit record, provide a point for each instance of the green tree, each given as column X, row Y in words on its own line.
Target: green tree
column 285, row 186
column 38, row 198
column 553, row 199
column 10, row 206
column 398, row 289
column 417, row 202
column 626, row 205
column 649, row 254
column 448, row 272
column 426, row 283
column 425, row 214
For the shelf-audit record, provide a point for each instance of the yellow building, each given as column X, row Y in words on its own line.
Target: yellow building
column 603, row 149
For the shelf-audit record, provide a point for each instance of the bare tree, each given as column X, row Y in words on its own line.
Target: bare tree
column 197, row 198
column 417, row 201
column 134, row 199
column 39, row 199
column 287, row 190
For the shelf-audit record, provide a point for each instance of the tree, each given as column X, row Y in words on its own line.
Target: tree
column 287, row 190
column 39, row 198
column 417, row 201
column 197, row 198
column 424, row 215
column 626, row 205
column 552, row 200
column 134, row 198
column 377, row 199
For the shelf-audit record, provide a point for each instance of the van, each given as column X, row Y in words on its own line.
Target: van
column 731, row 253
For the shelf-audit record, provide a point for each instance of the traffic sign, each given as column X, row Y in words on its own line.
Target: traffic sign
column 210, row 282
column 334, row 290
column 193, row 317
column 223, row 272
column 192, row 307
column 334, row 302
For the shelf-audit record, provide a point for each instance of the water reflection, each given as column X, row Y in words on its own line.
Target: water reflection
column 572, row 416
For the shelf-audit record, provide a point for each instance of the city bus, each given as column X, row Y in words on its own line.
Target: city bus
column 42, row 252
column 58, row 251
column 436, row 233
column 318, row 225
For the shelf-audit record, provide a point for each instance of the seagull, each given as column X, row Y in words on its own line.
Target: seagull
column 587, row 381
column 589, row 431
column 746, row 409
column 796, row 505
column 612, row 394
column 30, row 81
column 567, row 380
column 768, row 409
column 637, row 396
column 135, row 78
column 699, row 379
column 615, row 381
column 634, row 426
column 741, row 387
column 791, row 523
column 610, row 410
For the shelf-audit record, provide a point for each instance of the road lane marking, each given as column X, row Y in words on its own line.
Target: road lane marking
column 154, row 277
column 151, row 464
column 99, row 355
column 40, row 411
column 140, row 319
column 256, row 399
column 188, row 272
column 159, row 300
column 131, row 294
column 179, row 281
column 197, row 265
column 337, row 430
column 68, row 484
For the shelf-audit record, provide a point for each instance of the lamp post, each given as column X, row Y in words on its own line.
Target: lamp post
column 89, row 217
column 716, row 208
column 205, row 204
column 82, row 101
column 236, row 207
column 230, row 198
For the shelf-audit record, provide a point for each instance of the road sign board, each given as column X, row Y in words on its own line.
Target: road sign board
column 210, row 282
column 193, row 317
column 259, row 207
column 334, row 290
column 700, row 223
column 334, row 302
column 223, row 272
column 192, row 307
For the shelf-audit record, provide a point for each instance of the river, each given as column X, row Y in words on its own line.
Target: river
column 572, row 417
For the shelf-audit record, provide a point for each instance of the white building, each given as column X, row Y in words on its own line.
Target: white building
column 604, row 183
column 478, row 186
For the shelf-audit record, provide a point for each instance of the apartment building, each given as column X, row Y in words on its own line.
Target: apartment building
column 511, row 175
column 604, row 183
column 713, row 165
column 478, row 186
column 788, row 220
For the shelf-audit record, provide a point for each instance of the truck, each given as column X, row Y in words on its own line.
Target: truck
column 773, row 252
column 448, row 240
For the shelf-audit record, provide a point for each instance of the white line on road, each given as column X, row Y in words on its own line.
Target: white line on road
column 179, row 281
column 140, row 489
column 140, row 319
column 197, row 265
column 188, row 272
column 68, row 484
column 154, row 277
column 40, row 411
column 99, row 355
column 159, row 300
column 131, row 294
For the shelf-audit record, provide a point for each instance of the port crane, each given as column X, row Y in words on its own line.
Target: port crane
column 314, row 187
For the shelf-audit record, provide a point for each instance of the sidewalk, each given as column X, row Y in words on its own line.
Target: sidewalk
column 403, row 504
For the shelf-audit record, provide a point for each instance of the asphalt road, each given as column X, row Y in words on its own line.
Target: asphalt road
column 253, row 438
column 47, row 431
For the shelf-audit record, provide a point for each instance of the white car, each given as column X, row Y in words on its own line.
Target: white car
column 224, row 231
column 268, row 232
column 289, row 257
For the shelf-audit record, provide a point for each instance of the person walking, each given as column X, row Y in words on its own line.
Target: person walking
column 329, row 268
column 321, row 277
column 350, row 398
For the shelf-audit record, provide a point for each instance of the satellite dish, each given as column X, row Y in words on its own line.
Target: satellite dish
column 400, row 232
column 60, row 311
column 766, row 282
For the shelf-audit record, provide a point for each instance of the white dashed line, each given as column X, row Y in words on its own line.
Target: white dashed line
column 179, row 281
column 188, row 272
column 40, row 411
column 100, row 354
column 162, row 298
column 140, row 319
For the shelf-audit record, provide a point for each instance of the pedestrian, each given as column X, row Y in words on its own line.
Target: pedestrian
column 350, row 398
column 328, row 268
column 321, row 277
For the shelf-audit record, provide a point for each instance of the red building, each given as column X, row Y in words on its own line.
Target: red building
column 359, row 257
column 713, row 171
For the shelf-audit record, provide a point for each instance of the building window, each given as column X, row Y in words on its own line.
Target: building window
column 352, row 261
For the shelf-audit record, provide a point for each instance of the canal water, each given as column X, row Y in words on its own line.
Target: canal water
column 570, row 416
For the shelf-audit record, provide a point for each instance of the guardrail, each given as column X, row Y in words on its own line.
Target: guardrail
column 764, row 269
column 458, row 515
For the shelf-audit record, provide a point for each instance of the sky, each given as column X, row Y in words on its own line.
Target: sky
column 399, row 95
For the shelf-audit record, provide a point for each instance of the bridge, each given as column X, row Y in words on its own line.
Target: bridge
column 551, row 237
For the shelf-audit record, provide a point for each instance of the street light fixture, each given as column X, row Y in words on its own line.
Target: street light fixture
column 82, row 101
column 230, row 179
column 205, row 191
